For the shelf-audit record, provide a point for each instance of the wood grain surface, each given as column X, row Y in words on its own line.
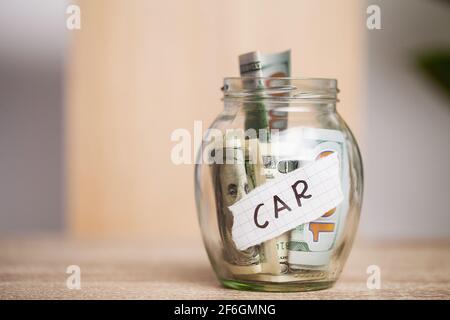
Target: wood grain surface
column 35, row 268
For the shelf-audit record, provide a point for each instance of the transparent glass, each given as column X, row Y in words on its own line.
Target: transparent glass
column 297, row 118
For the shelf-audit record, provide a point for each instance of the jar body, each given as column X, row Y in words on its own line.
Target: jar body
column 304, row 258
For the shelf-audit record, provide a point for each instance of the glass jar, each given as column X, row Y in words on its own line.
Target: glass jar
column 286, row 124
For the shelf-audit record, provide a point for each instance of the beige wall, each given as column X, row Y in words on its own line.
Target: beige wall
column 140, row 69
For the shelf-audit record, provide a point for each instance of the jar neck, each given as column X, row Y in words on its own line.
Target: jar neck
column 283, row 94
column 269, row 105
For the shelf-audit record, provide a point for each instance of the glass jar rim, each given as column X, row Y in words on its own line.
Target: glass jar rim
column 311, row 90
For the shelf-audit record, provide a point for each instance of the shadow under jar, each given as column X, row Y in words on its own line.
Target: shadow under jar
column 268, row 128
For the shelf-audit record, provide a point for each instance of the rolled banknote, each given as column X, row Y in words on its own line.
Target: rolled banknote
column 312, row 244
column 253, row 65
column 262, row 165
column 274, row 252
column 257, row 64
column 231, row 185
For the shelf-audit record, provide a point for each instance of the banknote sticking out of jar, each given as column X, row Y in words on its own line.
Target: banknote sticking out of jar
column 280, row 196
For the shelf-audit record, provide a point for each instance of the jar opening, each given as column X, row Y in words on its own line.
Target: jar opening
column 298, row 90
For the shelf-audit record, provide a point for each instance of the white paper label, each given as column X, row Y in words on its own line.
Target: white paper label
column 282, row 204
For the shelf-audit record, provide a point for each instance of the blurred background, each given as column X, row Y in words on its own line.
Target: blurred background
column 86, row 115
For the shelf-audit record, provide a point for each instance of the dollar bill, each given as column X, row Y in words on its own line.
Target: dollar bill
column 277, row 161
column 274, row 252
column 253, row 163
column 252, row 66
column 274, row 255
column 312, row 244
column 255, row 64
column 230, row 181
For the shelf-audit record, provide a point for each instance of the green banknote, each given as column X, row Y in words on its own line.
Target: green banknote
column 231, row 185
column 255, row 64
column 252, row 66
column 312, row 244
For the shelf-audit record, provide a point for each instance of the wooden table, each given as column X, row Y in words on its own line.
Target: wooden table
column 35, row 268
